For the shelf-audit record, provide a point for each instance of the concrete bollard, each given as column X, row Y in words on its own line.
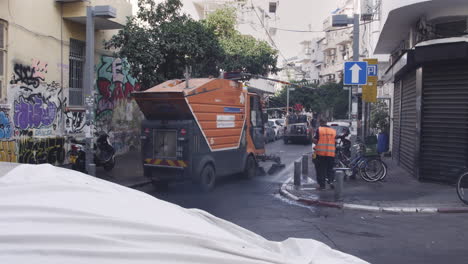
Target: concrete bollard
column 305, row 166
column 339, row 178
column 297, row 173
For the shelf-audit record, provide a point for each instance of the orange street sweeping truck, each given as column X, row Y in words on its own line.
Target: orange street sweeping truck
column 201, row 129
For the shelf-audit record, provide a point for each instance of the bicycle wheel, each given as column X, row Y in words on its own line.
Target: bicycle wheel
column 462, row 187
column 373, row 170
column 385, row 174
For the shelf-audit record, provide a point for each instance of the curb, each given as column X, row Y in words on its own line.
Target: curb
column 369, row 208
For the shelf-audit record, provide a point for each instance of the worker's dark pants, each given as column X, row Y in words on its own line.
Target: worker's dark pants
column 324, row 169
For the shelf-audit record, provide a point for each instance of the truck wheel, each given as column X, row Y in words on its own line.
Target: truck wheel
column 147, row 172
column 250, row 168
column 160, row 186
column 207, row 178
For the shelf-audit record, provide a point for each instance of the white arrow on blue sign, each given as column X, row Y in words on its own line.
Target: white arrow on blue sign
column 355, row 73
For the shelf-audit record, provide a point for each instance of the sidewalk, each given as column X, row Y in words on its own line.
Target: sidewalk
column 128, row 171
column 400, row 192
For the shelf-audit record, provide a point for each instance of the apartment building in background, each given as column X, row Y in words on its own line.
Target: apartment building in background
column 42, row 58
column 257, row 18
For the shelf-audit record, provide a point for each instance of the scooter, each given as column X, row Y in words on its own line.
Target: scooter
column 104, row 153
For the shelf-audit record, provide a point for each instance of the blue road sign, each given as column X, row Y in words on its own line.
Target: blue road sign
column 355, row 73
column 372, row 70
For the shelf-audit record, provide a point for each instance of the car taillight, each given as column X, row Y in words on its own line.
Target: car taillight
column 183, row 132
column 147, row 130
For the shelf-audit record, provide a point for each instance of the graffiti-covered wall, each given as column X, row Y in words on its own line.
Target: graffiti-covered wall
column 116, row 113
column 36, row 121
column 31, row 120
column 41, row 57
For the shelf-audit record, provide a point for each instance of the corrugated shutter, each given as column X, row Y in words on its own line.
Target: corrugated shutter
column 444, row 139
column 396, row 121
column 408, row 123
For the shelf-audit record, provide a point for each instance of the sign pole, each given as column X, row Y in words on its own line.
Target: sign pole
column 356, row 58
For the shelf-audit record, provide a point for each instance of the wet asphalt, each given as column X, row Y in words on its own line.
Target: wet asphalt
column 375, row 237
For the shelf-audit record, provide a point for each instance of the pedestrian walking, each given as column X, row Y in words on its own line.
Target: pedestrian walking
column 324, row 140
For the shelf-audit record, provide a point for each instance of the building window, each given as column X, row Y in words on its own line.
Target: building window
column 3, row 51
column 75, row 77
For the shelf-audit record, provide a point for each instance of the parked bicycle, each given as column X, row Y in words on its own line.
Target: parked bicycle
column 370, row 168
column 462, row 186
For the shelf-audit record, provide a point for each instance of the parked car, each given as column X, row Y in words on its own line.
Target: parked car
column 55, row 215
column 276, row 125
column 345, row 123
column 342, row 123
column 270, row 134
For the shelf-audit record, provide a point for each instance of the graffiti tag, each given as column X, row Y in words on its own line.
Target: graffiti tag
column 74, row 122
column 34, row 112
column 27, row 76
column 5, row 127
column 8, row 151
column 114, row 83
column 38, row 151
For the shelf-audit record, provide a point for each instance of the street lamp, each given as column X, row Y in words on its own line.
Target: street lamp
column 91, row 13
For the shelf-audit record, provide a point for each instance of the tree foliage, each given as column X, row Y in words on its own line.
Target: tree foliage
column 161, row 41
column 327, row 97
column 380, row 117
column 241, row 52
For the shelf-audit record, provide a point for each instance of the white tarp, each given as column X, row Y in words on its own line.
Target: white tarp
column 55, row 215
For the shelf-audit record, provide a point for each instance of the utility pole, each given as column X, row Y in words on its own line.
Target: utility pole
column 89, row 91
column 287, row 101
column 105, row 11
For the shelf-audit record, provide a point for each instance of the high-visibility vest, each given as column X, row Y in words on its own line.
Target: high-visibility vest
column 326, row 142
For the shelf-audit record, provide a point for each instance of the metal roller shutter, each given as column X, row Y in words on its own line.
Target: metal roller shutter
column 408, row 123
column 396, row 121
column 444, row 139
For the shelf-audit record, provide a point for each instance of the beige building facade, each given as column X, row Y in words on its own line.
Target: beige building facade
column 42, row 59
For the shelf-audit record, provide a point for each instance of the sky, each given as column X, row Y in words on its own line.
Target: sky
column 298, row 15
column 291, row 14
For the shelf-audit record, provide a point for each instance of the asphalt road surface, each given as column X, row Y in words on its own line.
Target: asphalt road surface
column 376, row 237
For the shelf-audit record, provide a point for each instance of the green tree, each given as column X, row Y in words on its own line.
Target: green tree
column 380, row 117
column 241, row 52
column 327, row 97
column 160, row 41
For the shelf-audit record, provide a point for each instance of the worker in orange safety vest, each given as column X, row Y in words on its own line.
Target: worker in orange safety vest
column 324, row 140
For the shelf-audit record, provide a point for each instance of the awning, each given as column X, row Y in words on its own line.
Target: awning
column 401, row 17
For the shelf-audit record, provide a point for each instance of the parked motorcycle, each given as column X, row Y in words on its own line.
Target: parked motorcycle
column 104, row 153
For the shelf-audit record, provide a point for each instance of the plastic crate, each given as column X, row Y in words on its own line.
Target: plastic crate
column 370, row 150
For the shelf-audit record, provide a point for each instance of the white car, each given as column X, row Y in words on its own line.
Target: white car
column 278, row 126
column 344, row 123
column 56, row 215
